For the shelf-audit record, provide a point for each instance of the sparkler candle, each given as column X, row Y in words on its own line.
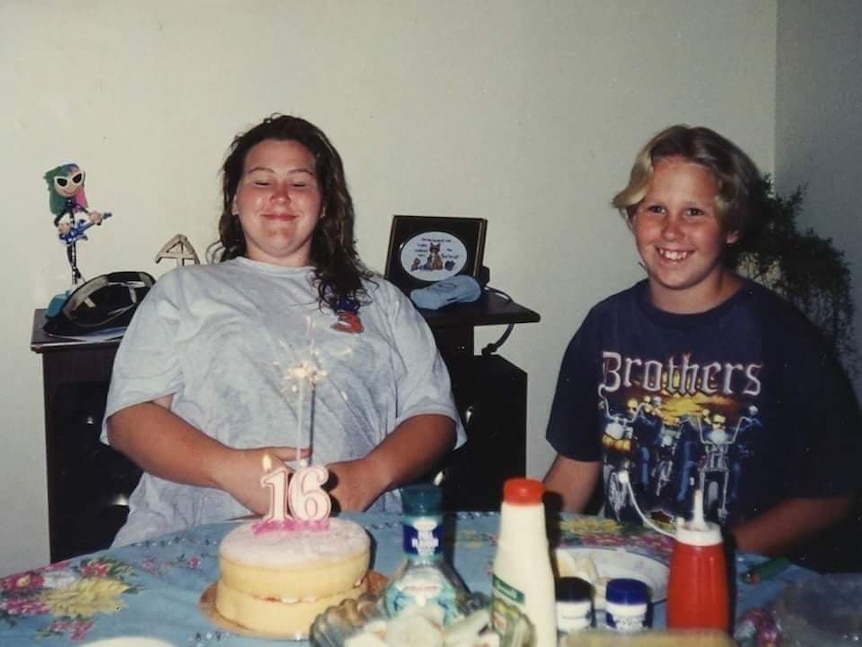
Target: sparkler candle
column 302, row 378
column 307, row 374
column 297, row 499
column 302, row 375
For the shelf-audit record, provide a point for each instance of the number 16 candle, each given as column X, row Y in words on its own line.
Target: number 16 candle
column 295, row 497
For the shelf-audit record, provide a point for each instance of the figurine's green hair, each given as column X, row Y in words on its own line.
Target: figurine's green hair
column 56, row 202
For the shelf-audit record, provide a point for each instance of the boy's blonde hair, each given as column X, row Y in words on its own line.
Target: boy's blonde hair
column 739, row 181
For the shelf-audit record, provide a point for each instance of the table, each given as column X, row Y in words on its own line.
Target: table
column 153, row 588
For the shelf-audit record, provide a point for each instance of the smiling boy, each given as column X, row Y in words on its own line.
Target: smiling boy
column 748, row 403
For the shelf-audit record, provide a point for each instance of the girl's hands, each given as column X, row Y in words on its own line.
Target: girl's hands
column 352, row 485
column 241, row 476
column 409, row 452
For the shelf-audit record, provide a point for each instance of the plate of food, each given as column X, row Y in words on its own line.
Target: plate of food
column 365, row 623
column 599, row 565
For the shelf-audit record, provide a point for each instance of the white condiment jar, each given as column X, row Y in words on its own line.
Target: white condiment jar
column 626, row 605
column 574, row 605
column 523, row 578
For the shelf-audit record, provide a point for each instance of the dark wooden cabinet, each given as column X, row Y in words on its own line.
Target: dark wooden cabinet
column 89, row 483
column 491, row 395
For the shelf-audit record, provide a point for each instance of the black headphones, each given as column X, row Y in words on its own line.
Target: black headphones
column 103, row 303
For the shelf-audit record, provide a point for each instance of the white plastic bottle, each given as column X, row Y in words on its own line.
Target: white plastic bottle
column 522, row 565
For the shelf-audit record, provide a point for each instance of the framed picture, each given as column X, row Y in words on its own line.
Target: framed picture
column 427, row 249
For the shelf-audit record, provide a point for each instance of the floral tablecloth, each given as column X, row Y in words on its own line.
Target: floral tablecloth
column 154, row 588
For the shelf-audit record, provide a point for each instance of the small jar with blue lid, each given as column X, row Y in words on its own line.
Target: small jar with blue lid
column 627, row 605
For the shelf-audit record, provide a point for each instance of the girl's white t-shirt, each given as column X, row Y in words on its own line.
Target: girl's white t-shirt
column 226, row 340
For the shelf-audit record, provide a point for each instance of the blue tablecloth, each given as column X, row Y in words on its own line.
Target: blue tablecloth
column 154, row 588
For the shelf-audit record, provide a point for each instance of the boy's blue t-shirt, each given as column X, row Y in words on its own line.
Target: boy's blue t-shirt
column 744, row 401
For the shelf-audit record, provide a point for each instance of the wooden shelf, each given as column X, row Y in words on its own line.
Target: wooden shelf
column 453, row 326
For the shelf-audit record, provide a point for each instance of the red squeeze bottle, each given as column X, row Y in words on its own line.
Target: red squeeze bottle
column 698, row 590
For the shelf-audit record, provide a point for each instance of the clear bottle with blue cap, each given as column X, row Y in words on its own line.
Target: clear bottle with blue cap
column 424, row 578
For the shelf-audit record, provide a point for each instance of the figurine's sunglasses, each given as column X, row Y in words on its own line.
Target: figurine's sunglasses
column 75, row 180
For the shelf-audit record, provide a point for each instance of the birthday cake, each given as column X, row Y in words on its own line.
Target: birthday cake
column 276, row 577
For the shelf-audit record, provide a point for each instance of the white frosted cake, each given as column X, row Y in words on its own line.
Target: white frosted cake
column 275, row 578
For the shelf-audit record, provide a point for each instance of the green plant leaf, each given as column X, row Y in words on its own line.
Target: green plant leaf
column 804, row 268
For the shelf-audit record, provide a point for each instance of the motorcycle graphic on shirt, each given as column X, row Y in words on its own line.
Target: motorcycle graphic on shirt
column 671, row 446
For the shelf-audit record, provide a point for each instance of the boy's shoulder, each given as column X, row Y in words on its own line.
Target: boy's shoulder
column 604, row 316
column 624, row 299
column 771, row 305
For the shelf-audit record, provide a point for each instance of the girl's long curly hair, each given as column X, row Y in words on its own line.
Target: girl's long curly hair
column 338, row 270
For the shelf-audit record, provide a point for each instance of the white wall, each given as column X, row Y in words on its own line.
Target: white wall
column 525, row 113
column 818, row 124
